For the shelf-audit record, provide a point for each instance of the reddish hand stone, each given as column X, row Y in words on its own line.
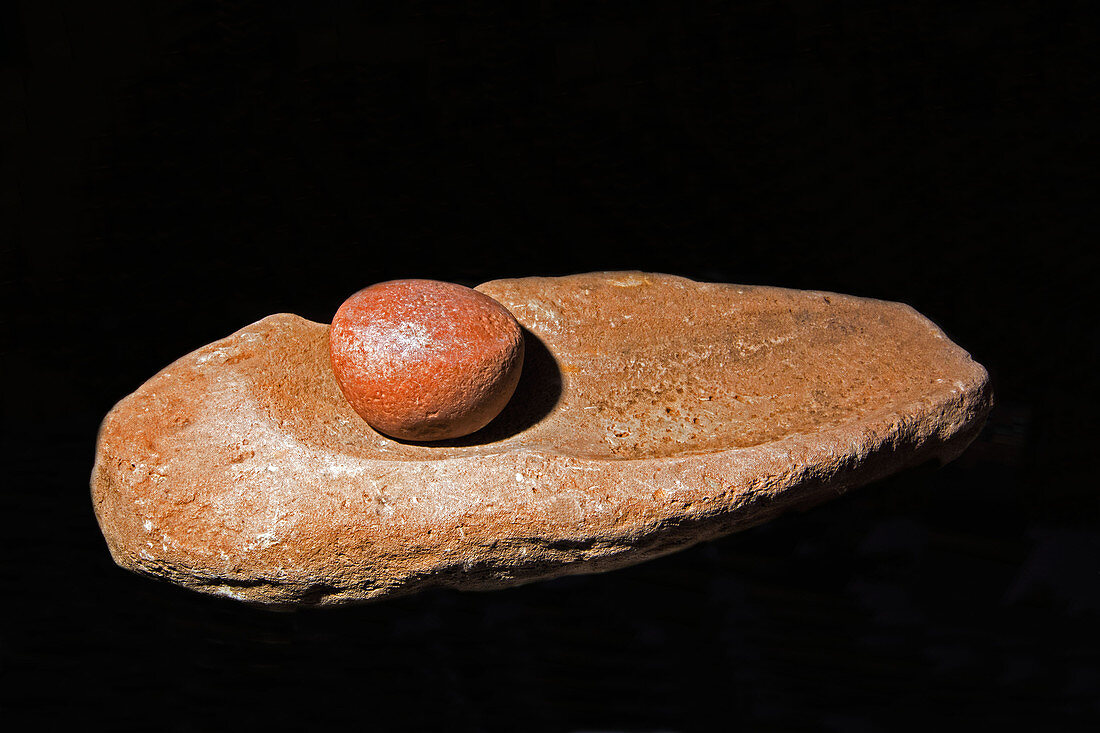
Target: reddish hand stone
column 425, row 360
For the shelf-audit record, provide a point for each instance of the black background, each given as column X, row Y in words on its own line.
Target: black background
column 173, row 172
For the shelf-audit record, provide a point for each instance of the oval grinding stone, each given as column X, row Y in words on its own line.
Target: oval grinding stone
column 653, row 413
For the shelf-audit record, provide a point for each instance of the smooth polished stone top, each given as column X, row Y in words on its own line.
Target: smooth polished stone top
column 424, row 359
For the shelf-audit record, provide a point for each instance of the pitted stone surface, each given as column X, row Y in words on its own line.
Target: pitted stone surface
column 653, row 412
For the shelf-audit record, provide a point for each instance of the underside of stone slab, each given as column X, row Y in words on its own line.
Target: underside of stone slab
column 653, row 413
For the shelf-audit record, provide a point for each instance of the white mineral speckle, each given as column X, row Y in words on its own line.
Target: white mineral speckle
column 338, row 469
column 409, row 338
column 266, row 539
column 228, row 593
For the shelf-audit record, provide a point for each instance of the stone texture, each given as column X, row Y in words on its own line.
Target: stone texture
column 425, row 360
column 653, row 412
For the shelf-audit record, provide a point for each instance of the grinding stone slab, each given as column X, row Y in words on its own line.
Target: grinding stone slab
column 653, row 413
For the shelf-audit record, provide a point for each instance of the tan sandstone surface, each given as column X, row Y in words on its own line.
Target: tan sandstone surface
column 653, row 413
